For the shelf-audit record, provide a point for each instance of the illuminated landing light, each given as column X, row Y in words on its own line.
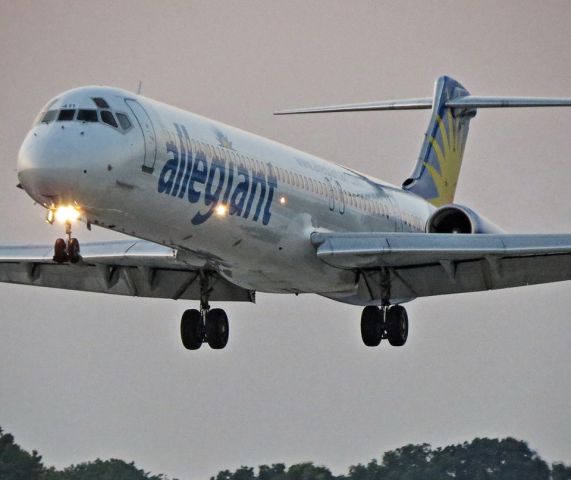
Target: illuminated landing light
column 64, row 214
column 221, row 210
column 283, row 200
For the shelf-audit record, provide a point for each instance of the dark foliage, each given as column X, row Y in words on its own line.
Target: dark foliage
column 481, row 459
column 15, row 463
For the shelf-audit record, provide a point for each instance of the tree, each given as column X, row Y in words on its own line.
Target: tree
column 560, row 472
column 411, row 462
column 372, row 471
column 112, row 469
column 308, row 471
column 17, row 464
column 491, row 459
column 276, row 471
column 481, row 459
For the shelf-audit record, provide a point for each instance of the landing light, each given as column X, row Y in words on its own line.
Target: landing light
column 221, row 210
column 283, row 200
column 63, row 214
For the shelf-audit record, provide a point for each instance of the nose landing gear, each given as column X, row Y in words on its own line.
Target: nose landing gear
column 66, row 251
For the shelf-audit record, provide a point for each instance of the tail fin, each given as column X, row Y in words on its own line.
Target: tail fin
column 436, row 173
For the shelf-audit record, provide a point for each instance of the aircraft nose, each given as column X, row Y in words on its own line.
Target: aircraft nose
column 47, row 168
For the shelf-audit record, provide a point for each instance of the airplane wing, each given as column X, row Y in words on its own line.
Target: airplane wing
column 414, row 265
column 133, row 267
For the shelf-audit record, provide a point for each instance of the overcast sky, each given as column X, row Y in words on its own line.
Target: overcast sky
column 85, row 375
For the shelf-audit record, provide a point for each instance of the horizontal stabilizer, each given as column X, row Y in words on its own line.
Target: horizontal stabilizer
column 409, row 104
column 466, row 102
column 507, row 102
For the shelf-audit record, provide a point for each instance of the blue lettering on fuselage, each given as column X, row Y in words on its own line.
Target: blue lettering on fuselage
column 211, row 180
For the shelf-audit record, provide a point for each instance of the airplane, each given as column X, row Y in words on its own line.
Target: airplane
column 213, row 213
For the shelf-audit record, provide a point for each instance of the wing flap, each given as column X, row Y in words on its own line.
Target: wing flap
column 133, row 268
column 370, row 250
column 423, row 264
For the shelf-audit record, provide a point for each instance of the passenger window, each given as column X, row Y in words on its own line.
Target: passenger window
column 49, row 116
column 124, row 121
column 87, row 116
column 66, row 115
column 108, row 118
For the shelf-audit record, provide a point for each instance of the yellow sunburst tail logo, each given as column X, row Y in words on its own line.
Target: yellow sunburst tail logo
column 435, row 176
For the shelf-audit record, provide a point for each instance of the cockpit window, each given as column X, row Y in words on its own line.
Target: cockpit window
column 49, row 116
column 66, row 115
column 87, row 116
column 124, row 121
column 100, row 102
column 108, row 118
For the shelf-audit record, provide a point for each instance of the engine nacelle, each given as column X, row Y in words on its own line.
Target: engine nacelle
column 459, row 219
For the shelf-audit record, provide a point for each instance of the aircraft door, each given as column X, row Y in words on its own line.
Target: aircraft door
column 148, row 131
column 330, row 194
column 341, row 197
column 396, row 214
column 336, row 195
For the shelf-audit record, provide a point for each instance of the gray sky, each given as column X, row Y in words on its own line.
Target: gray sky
column 86, row 375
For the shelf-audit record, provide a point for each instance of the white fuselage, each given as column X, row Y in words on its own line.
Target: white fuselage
column 229, row 199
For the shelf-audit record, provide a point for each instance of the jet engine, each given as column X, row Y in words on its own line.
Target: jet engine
column 459, row 219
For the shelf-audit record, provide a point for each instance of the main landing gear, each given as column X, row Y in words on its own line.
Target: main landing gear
column 204, row 325
column 66, row 251
column 389, row 322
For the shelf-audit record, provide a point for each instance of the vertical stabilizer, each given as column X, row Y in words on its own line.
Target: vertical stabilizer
column 436, row 173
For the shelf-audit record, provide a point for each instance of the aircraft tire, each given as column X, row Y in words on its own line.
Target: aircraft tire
column 397, row 325
column 217, row 329
column 372, row 326
column 73, row 250
column 60, row 251
column 191, row 329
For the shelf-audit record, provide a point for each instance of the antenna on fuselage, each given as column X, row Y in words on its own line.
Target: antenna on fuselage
column 140, row 87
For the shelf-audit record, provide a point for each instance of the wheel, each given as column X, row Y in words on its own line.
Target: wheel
column 217, row 329
column 73, row 250
column 60, row 251
column 191, row 329
column 372, row 326
column 397, row 325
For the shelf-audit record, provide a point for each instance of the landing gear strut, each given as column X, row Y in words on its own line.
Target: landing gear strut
column 66, row 250
column 390, row 322
column 204, row 325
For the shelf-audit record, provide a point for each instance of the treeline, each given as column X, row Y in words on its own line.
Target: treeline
column 481, row 459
